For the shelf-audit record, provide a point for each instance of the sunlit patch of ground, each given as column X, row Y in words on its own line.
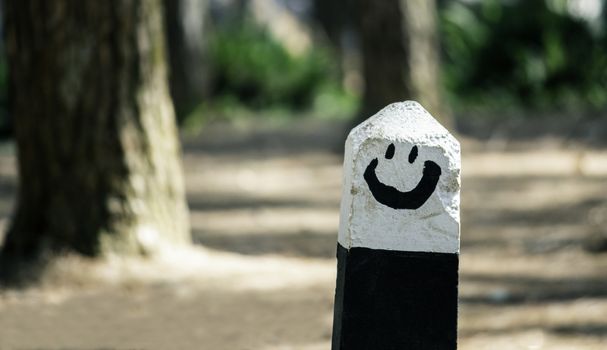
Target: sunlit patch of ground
column 264, row 211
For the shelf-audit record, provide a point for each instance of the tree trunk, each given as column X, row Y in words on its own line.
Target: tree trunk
column 400, row 55
column 98, row 153
column 385, row 63
column 186, row 21
column 331, row 16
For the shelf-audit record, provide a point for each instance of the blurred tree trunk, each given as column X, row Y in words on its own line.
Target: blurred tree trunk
column 401, row 58
column 331, row 15
column 186, row 22
column 98, row 154
column 335, row 19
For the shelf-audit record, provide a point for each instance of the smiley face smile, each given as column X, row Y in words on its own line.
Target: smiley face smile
column 393, row 198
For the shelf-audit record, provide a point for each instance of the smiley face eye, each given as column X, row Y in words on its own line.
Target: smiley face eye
column 413, row 154
column 390, row 151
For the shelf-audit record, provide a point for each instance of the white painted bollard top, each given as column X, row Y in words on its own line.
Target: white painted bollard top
column 401, row 183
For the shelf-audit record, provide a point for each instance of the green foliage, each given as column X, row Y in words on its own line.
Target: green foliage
column 255, row 76
column 250, row 67
column 329, row 102
column 522, row 53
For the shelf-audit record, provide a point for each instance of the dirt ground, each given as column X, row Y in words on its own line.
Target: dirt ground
column 264, row 203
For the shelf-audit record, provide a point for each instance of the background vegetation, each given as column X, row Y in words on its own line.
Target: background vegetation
column 498, row 56
column 527, row 58
column 523, row 54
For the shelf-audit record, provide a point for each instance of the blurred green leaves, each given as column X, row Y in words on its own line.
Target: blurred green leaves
column 251, row 66
column 522, row 54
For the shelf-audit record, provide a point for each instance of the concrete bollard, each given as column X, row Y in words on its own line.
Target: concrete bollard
column 398, row 243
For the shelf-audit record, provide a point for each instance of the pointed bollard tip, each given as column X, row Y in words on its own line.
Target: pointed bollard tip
column 398, row 242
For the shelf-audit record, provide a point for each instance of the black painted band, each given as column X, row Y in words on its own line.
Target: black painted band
column 395, row 300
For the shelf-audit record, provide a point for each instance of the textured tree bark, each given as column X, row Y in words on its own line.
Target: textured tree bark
column 98, row 153
column 188, row 72
column 400, row 55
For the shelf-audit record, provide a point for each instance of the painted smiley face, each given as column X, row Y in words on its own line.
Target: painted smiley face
column 393, row 198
